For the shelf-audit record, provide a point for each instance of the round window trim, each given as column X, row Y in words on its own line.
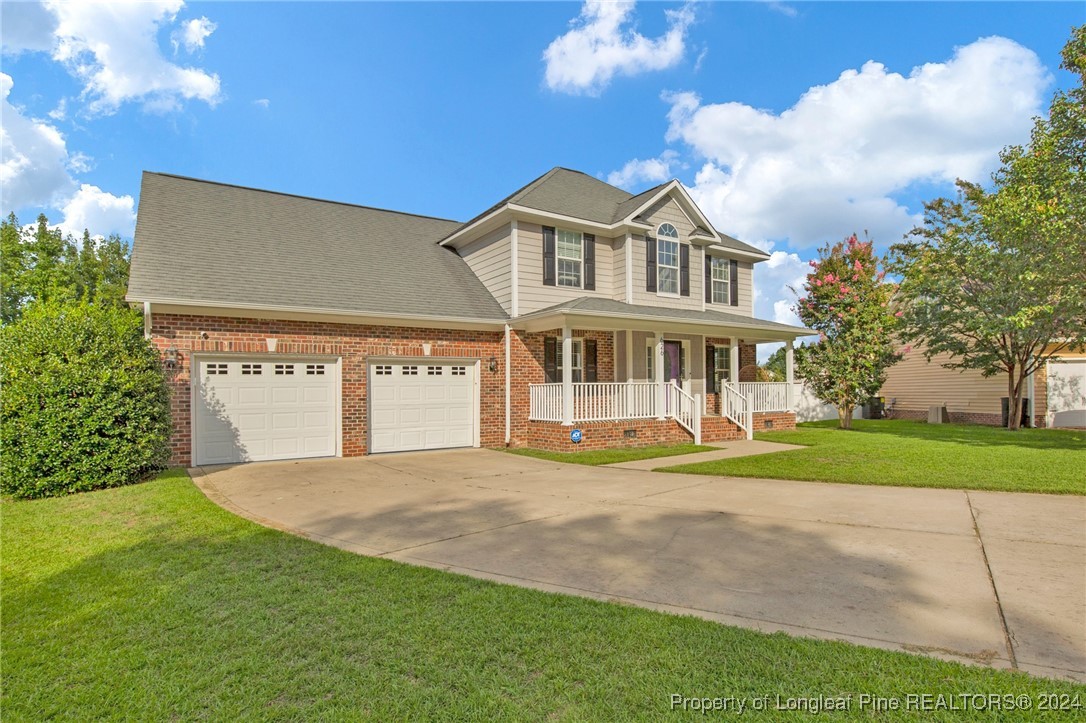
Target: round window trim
column 666, row 230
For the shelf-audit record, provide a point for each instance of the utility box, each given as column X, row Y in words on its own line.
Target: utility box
column 875, row 408
column 938, row 415
column 1006, row 405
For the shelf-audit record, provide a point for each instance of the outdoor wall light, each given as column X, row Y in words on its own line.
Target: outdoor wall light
column 492, row 364
column 173, row 358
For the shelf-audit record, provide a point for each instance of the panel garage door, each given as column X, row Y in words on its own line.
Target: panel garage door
column 248, row 410
column 422, row 406
column 1067, row 393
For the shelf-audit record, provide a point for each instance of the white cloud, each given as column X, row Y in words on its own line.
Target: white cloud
column 25, row 26
column 192, row 34
column 786, row 10
column 113, row 49
column 637, row 171
column 101, row 213
column 262, row 102
column 831, row 164
column 35, row 159
column 601, row 43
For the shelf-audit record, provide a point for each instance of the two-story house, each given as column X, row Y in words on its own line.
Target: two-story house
column 296, row 327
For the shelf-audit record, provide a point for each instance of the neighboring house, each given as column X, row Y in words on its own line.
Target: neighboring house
column 296, row 327
column 1056, row 393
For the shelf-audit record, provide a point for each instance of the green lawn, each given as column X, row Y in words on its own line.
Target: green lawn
column 613, row 456
column 916, row 454
column 151, row 603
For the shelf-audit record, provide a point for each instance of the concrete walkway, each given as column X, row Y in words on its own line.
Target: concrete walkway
column 728, row 450
column 989, row 578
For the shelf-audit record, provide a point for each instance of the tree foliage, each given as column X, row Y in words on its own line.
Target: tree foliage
column 847, row 302
column 39, row 263
column 997, row 277
column 84, row 402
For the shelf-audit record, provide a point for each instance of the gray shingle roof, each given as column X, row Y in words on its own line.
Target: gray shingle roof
column 200, row 241
column 618, row 308
column 572, row 193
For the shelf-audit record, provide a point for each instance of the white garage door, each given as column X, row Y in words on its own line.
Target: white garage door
column 422, row 406
column 247, row 410
column 1067, row 393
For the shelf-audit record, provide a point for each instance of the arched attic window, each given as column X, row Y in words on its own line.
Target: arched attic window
column 667, row 259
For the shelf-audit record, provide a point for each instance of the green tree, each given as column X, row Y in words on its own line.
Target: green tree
column 996, row 278
column 847, row 302
column 41, row 264
column 84, row 402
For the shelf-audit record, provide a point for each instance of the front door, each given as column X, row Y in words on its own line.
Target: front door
column 673, row 361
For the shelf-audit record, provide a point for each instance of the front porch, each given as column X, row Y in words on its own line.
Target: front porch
column 740, row 403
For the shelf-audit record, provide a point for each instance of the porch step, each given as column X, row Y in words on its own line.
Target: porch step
column 720, row 429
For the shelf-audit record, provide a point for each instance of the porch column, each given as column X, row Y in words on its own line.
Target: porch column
column 733, row 360
column 658, row 367
column 567, row 376
column 790, row 374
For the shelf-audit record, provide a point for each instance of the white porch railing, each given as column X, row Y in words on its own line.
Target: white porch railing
column 766, row 396
column 545, row 402
column 602, row 401
column 606, row 401
column 737, row 408
column 685, row 409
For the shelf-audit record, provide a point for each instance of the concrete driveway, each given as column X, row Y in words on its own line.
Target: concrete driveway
column 990, row 578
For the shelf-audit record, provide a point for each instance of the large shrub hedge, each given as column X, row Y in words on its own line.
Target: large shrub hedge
column 83, row 400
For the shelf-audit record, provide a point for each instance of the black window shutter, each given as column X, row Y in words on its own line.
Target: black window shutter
column 650, row 264
column 734, row 285
column 590, row 262
column 550, row 359
column 590, row 360
column 684, row 270
column 710, row 370
column 708, row 278
column 548, row 256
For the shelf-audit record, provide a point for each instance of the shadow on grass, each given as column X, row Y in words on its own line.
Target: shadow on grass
column 968, row 434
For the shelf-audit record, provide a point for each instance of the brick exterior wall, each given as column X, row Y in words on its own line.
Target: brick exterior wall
column 356, row 344
column 988, row 420
column 353, row 344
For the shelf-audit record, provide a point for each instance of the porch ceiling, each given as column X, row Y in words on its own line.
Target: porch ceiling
column 610, row 315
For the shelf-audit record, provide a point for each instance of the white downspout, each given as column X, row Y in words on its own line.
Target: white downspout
column 660, row 391
column 790, row 373
column 147, row 320
column 508, row 377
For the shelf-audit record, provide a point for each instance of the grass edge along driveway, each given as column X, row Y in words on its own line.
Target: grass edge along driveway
column 597, row 457
column 917, row 454
column 150, row 602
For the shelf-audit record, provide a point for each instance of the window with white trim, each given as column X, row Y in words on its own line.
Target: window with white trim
column 576, row 360
column 569, row 256
column 721, row 270
column 216, row 369
column 251, row 369
column 667, row 259
column 650, row 361
column 722, row 364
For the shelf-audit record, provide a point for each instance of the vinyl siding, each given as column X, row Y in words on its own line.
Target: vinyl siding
column 533, row 295
column 618, row 293
column 667, row 211
column 916, row 385
column 490, row 260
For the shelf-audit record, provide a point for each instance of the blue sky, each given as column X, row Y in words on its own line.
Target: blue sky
column 792, row 124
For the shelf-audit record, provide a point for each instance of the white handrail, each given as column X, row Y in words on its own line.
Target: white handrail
column 685, row 409
column 737, row 408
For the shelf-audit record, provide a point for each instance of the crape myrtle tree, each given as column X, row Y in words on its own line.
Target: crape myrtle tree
column 847, row 301
column 996, row 278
